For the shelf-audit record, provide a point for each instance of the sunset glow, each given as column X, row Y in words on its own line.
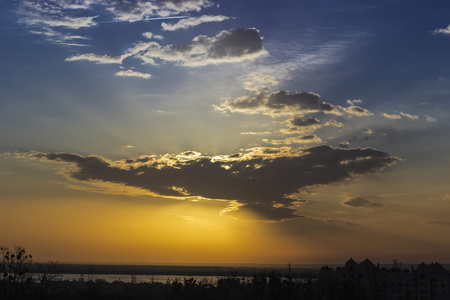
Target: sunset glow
column 203, row 132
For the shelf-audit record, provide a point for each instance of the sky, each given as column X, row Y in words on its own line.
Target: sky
column 221, row 132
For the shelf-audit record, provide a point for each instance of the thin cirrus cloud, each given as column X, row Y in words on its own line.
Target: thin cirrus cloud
column 139, row 9
column 260, row 180
column 56, row 21
column 191, row 22
column 257, row 82
column 57, row 37
column 99, row 59
column 55, row 14
column 184, row 5
column 65, row 16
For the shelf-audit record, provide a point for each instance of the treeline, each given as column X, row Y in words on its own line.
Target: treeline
column 20, row 279
column 19, row 274
column 261, row 287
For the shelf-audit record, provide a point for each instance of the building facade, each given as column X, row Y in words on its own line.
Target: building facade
column 423, row 282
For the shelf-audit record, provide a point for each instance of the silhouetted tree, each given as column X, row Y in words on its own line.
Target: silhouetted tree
column 15, row 270
column 47, row 274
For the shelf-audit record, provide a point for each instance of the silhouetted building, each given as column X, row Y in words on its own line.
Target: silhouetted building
column 424, row 282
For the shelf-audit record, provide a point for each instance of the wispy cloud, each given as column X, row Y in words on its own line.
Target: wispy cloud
column 391, row 116
column 445, row 31
column 257, row 82
column 409, row 116
column 357, row 111
column 191, row 22
column 306, row 139
column 55, row 14
column 150, row 35
column 369, row 131
column 353, row 102
column 255, row 132
column 142, row 9
column 132, row 73
column 100, row 59
column 66, row 15
column 430, row 119
column 61, row 38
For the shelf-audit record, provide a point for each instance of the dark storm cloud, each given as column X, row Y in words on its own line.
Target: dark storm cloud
column 236, row 43
column 280, row 102
column 309, row 124
column 307, row 101
column 299, row 122
column 361, row 202
column 261, row 179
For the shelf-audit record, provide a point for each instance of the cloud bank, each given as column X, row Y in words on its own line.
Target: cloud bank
column 191, row 22
column 261, row 180
column 228, row 46
column 279, row 102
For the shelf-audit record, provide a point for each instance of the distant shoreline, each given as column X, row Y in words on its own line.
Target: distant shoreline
column 201, row 270
column 181, row 270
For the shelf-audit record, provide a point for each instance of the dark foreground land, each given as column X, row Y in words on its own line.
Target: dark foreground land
column 353, row 281
column 260, row 286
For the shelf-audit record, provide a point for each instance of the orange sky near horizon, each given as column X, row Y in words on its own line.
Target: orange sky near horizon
column 237, row 132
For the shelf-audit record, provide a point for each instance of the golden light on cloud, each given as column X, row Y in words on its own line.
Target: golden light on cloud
column 111, row 188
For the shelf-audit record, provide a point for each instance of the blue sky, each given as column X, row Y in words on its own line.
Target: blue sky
column 306, row 119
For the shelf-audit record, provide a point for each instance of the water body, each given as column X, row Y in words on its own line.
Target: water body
column 153, row 278
column 143, row 278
